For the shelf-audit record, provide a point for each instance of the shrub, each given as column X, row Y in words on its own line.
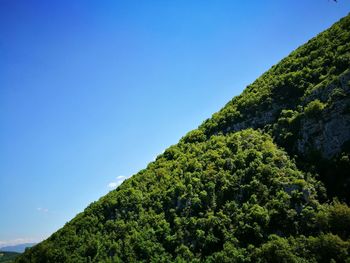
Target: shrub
column 314, row 108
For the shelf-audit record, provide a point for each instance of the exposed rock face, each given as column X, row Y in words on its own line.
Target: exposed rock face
column 328, row 132
column 325, row 133
column 258, row 121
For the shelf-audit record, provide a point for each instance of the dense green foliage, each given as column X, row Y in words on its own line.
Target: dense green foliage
column 7, row 257
column 240, row 188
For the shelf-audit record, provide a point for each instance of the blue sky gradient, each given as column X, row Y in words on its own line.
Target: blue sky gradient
column 92, row 91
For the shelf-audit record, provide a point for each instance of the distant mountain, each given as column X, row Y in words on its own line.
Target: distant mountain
column 7, row 257
column 265, row 179
column 20, row 248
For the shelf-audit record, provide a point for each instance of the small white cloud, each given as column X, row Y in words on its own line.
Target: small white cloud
column 43, row 210
column 112, row 185
column 117, row 182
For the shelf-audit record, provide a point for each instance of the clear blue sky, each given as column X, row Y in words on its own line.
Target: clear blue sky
column 92, row 91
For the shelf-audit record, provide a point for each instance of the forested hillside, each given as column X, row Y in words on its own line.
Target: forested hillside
column 8, row 257
column 265, row 179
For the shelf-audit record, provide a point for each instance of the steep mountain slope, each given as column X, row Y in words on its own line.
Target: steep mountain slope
column 253, row 183
column 303, row 101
